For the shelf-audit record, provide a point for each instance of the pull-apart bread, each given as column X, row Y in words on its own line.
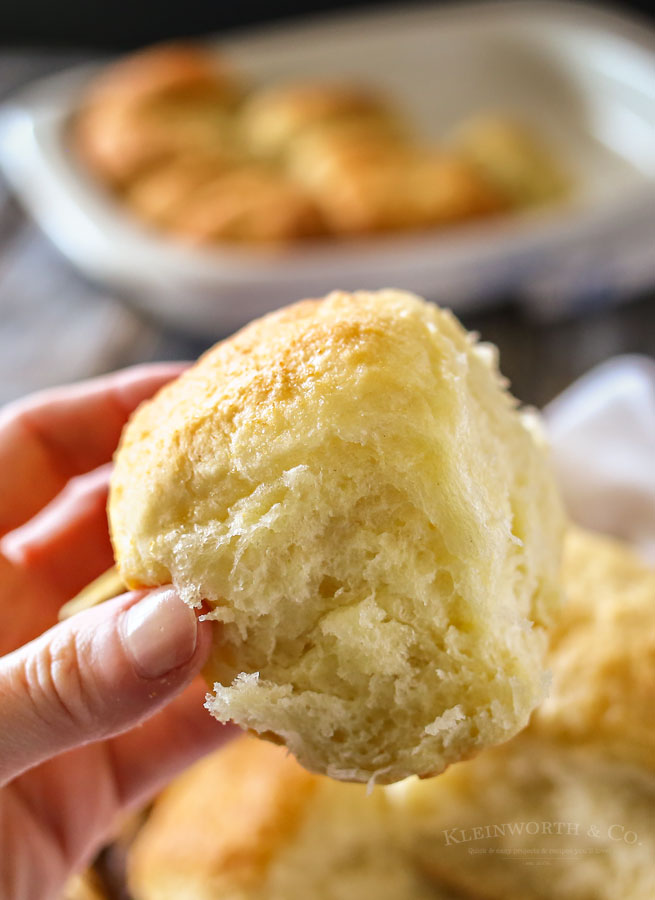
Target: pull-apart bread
column 372, row 523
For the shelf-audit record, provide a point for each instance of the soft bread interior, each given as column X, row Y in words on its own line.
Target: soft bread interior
column 554, row 813
column 351, row 488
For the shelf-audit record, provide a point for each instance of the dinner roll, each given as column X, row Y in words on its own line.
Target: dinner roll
column 164, row 70
column 581, row 778
column 250, row 203
column 142, row 110
column 223, row 831
column 362, row 184
column 248, row 823
column 160, row 193
column 603, row 652
column 372, row 522
column 512, row 158
column 273, row 118
column 258, row 795
column 534, row 820
column 542, row 817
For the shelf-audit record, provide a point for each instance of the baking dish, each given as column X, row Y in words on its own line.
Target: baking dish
column 583, row 77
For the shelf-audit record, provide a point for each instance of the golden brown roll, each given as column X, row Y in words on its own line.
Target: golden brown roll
column 603, row 653
column 261, row 796
column 520, row 822
column 249, row 823
column 539, row 818
column 148, row 107
column 168, row 122
column 249, row 204
column 363, row 184
column 570, row 803
column 164, row 70
column 274, row 118
column 159, row 194
column 534, row 820
column 350, row 487
column 512, row 158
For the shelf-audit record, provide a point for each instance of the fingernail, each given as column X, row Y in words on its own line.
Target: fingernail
column 159, row 633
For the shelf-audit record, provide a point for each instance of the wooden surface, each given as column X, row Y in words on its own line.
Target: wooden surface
column 55, row 327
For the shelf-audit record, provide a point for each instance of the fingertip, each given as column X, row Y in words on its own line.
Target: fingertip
column 160, row 633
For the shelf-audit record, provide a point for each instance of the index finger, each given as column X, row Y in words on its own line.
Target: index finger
column 51, row 436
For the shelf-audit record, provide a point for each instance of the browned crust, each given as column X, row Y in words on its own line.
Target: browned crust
column 222, row 820
column 250, row 203
column 603, row 652
column 363, row 184
column 159, row 70
column 123, row 126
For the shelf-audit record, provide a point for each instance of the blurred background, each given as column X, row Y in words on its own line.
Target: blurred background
column 123, row 25
column 58, row 323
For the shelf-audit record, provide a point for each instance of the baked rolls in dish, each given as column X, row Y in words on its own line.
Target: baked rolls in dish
column 161, row 194
column 164, row 129
column 146, row 109
column 372, row 522
column 274, row 119
column 363, row 183
column 253, row 203
column 543, row 817
column 203, row 200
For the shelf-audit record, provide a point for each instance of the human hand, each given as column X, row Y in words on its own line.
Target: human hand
column 98, row 712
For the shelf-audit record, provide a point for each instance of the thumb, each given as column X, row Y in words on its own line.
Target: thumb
column 96, row 675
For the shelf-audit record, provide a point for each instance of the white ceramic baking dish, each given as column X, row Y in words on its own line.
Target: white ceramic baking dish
column 584, row 77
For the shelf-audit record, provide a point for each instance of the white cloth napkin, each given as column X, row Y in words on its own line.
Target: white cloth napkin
column 602, row 434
